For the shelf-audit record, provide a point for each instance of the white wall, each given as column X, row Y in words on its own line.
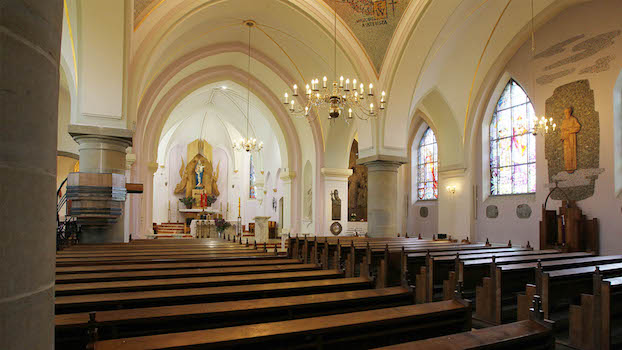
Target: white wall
column 590, row 19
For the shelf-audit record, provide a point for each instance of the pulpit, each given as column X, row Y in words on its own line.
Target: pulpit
column 568, row 229
column 261, row 228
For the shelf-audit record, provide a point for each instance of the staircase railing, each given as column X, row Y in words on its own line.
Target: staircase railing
column 67, row 229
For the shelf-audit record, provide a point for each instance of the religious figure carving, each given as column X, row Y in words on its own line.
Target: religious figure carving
column 336, row 205
column 569, row 129
column 357, row 188
column 192, row 175
column 199, row 175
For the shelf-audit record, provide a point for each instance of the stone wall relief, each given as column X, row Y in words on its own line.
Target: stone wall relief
column 572, row 151
column 335, row 205
column 357, row 188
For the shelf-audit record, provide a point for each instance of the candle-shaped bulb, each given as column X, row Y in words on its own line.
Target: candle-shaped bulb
column 306, row 110
column 341, row 81
column 350, row 113
column 362, row 89
column 370, row 92
column 554, row 126
column 371, row 108
column 354, row 84
column 295, row 90
column 551, row 120
column 324, row 80
column 356, row 94
column 286, row 98
column 347, row 84
column 291, row 105
column 382, row 95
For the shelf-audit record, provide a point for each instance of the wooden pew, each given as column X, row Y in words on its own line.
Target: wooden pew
column 523, row 335
column 361, row 329
column 162, row 259
column 557, row 288
column 175, row 273
column 191, row 282
column 595, row 323
column 170, row 266
column 447, row 270
column 111, row 301
column 71, row 329
column 498, row 291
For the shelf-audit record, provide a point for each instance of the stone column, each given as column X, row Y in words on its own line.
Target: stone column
column 30, row 35
column 335, row 179
column 288, row 178
column 98, row 191
column 261, row 228
column 382, row 197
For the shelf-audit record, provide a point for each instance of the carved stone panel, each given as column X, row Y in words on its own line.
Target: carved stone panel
column 523, row 211
column 580, row 184
column 357, row 187
column 423, row 212
column 492, row 212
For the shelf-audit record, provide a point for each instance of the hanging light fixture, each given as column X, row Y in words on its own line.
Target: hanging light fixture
column 248, row 144
column 349, row 97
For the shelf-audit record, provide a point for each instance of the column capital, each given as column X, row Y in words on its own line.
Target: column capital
column 382, row 165
column 287, row 175
column 336, row 173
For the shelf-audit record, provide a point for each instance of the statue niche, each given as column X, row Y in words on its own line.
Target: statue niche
column 200, row 175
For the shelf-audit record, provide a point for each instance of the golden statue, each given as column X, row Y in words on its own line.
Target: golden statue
column 569, row 129
column 198, row 173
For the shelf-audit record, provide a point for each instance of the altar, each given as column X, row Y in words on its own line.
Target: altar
column 200, row 213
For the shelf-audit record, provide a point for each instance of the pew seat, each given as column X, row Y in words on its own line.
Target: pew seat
column 363, row 329
column 523, row 335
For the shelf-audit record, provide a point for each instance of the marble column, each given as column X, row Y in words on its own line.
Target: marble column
column 382, row 197
column 30, row 35
column 102, row 156
column 261, row 228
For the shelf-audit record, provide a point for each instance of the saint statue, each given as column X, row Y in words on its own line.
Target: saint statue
column 199, row 175
column 569, row 129
column 336, row 207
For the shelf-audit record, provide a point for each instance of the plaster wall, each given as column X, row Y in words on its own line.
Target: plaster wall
column 589, row 19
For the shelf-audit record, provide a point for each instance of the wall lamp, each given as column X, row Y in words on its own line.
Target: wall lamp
column 451, row 189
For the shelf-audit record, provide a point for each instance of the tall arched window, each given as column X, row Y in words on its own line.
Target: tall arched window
column 512, row 143
column 252, row 179
column 427, row 169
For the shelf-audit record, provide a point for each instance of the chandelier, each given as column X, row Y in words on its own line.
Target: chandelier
column 248, row 144
column 341, row 96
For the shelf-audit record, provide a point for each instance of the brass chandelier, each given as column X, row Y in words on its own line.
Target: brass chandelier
column 248, row 144
column 349, row 97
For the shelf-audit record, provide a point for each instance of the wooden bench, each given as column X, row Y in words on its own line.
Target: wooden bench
column 361, row 329
column 191, row 282
column 71, row 329
column 595, row 323
column 446, row 271
column 170, row 266
column 557, row 288
column 523, row 335
column 173, row 273
column 162, row 259
column 496, row 298
column 111, row 301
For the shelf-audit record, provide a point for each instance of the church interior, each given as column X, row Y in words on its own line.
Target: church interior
column 311, row 174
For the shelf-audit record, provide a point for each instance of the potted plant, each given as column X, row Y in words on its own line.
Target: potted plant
column 188, row 201
column 221, row 225
column 211, row 200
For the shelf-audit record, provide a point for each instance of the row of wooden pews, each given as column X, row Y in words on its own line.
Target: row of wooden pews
column 173, row 294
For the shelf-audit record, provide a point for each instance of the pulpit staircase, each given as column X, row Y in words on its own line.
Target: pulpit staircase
column 67, row 228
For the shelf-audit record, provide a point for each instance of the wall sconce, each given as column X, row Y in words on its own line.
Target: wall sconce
column 451, row 189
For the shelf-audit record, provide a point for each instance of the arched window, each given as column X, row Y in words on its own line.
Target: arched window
column 427, row 169
column 512, row 143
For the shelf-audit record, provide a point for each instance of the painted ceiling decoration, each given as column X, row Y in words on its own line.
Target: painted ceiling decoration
column 373, row 22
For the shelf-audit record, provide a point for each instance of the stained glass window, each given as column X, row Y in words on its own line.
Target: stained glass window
column 512, row 143
column 427, row 167
column 252, row 178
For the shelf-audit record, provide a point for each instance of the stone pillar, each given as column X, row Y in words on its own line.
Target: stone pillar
column 98, row 191
column 30, row 35
column 335, row 179
column 382, row 197
column 261, row 228
column 287, row 177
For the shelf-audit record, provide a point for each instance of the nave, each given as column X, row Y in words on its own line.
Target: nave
column 330, row 293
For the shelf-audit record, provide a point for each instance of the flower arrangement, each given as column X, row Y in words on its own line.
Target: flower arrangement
column 188, row 201
column 211, row 200
column 221, row 225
